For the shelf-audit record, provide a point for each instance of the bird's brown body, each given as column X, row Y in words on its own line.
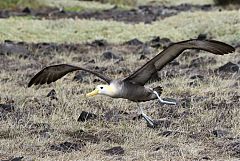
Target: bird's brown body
column 135, row 92
column 132, row 87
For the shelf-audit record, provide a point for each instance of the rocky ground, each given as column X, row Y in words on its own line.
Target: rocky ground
column 56, row 122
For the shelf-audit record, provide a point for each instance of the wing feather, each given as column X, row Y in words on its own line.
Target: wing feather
column 52, row 73
column 143, row 74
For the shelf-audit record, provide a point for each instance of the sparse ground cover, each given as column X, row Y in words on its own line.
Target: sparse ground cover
column 205, row 126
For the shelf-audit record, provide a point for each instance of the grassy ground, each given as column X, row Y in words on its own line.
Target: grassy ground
column 75, row 5
column 212, row 104
column 183, row 26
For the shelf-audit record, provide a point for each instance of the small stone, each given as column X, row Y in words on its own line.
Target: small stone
column 81, row 77
column 110, row 55
column 194, row 83
column 14, row 159
column 118, row 150
column 142, row 57
column 157, row 42
column 134, row 42
column 185, row 102
column 220, row 133
column 26, row 10
column 91, row 61
column 99, row 43
column 84, row 116
column 202, row 37
column 7, row 107
column 52, row 94
column 145, row 50
column 229, row 67
column 137, row 117
column 166, row 133
column 206, row 158
column 199, row 77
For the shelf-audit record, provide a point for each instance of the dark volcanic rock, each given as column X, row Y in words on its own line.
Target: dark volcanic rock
column 145, row 50
column 201, row 61
column 6, row 108
column 199, row 77
column 84, row 116
column 167, row 147
column 220, row 133
column 202, row 37
column 26, row 10
column 82, row 77
column 157, row 42
column 142, row 57
column 99, row 43
column 68, row 146
column 134, row 42
column 146, row 14
column 206, row 158
column 229, row 67
column 110, row 55
column 185, row 102
column 52, row 94
column 14, row 159
column 137, row 117
column 118, row 150
column 11, row 48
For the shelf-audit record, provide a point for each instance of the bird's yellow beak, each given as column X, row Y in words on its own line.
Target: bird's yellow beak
column 93, row 93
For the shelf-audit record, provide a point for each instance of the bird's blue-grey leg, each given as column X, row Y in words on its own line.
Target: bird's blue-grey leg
column 163, row 101
column 146, row 117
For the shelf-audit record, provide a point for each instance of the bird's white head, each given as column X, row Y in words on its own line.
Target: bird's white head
column 107, row 90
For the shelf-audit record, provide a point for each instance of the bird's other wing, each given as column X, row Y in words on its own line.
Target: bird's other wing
column 52, row 73
column 143, row 74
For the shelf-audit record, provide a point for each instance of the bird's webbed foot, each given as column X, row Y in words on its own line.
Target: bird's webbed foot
column 149, row 120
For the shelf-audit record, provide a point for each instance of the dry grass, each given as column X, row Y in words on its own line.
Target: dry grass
column 139, row 142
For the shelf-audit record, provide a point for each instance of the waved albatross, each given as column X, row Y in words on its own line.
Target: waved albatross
column 132, row 87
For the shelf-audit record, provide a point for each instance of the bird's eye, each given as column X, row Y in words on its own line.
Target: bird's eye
column 101, row 87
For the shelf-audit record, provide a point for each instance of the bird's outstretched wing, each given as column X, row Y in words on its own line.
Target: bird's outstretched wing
column 52, row 73
column 143, row 74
